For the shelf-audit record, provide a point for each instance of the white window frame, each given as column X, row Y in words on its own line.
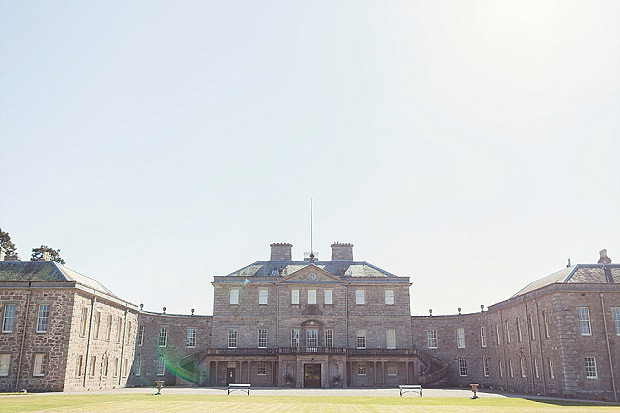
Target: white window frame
column 519, row 331
column 497, row 335
column 389, row 297
column 311, row 296
column 536, row 371
column 161, row 365
column 262, row 338
column 462, row 366
column 190, row 338
column 361, row 339
column 137, row 371
column 108, row 333
column 583, row 314
column 392, row 368
column 79, row 365
column 312, row 338
column 511, row 368
column 390, row 339
column 8, row 318
column 360, row 297
column 483, row 336
column 233, row 296
column 233, row 336
column 261, row 368
column 97, row 323
column 119, row 329
column 361, row 368
column 294, row 297
column 507, row 332
column 546, row 322
column 500, row 368
column 141, row 335
column 431, row 338
column 460, row 337
column 551, row 372
column 530, row 318
column 590, row 365
column 163, row 337
column 128, row 332
column 116, row 371
column 5, row 364
column 84, row 321
column 38, row 365
column 485, row 366
column 328, row 297
column 93, row 366
column 522, row 365
column 43, row 318
column 329, row 337
column 263, row 297
column 295, row 337
column 615, row 315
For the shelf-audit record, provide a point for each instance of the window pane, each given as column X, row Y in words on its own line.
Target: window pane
column 360, row 297
column 328, row 296
column 9, row 318
column 190, row 339
column 294, row 296
column 431, row 337
column 311, row 296
column 43, row 318
column 263, row 296
column 389, row 297
column 390, row 338
column 234, row 297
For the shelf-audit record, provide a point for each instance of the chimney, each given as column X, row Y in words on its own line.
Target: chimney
column 46, row 256
column 342, row 251
column 2, row 253
column 604, row 258
column 281, row 251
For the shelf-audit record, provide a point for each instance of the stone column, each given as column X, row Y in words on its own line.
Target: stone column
column 374, row 372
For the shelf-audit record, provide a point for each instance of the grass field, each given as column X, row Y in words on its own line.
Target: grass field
column 323, row 404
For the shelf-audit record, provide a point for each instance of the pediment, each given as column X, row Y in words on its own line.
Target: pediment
column 310, row 274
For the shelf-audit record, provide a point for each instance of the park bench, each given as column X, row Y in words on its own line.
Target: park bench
column 240, row 387
column 404, row 388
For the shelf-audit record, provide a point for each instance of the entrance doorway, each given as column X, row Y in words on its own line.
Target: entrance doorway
column 312, row 375
column 230, row 375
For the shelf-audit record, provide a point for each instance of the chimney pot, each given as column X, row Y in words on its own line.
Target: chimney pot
column 604, row 258
column 342, row 251
column 46, row 256
column 2, row 253
column 281, row 251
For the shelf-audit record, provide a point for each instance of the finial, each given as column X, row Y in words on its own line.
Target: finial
column 430, row 312
column 141, row 306
column 164, row 310
column 459, row 310
column 482, row 308
column 568, row 265
column 192, row 312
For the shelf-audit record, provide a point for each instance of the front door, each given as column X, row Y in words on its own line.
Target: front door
column 230, row 375
column 312, row 375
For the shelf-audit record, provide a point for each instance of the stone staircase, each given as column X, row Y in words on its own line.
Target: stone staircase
column 435, row 369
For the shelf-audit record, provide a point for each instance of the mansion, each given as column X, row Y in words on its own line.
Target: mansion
column 311, row 323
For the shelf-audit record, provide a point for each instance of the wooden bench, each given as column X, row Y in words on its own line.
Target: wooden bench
column 240, row 387
column 404, row 388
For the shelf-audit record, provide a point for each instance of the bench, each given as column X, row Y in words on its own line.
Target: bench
column 404, row 388
column 240, row 387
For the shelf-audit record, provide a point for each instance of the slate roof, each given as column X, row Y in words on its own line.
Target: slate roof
column 356, row 269
column 46, row 271
column 579, row 274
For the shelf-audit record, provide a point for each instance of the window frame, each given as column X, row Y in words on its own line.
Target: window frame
column 483, row 336
column 163, row 337
column 360, row 297
column 7, row 371
column 311, row 297
column 295, row 297
column 262, row 338
column 615, row 315
column 390, row 335
column 519, row 330
column 263, row 296
column 546, row 322
column 522, row 367
column 161, row 366
column 8, row 318
column 295, row 337
column 137, row 371
column 592, row 368
column 43, row 319
column 391, row 368
column 361, row 368
column 97, row 327
column 328, row 293
column 431, row 337
column 388, row 296
column 261, row 368
column 530, row 319
column 233, row 296
column 584, row 322
column 190, row 337
column 140, row 338
column 39, row 365
column 485, row 366
column 233, row 337
column 462, row 363
column 328, row 337
column 361, row 339
column 460, row 337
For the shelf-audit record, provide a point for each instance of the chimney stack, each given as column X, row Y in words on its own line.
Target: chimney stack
column 2, row 253
column 46, row 256
column 281, row 251
column 604, row 258
column 342, row 251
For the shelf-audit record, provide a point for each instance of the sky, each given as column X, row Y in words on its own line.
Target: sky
column 472, row 146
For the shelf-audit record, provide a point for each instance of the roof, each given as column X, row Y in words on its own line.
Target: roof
column 356, row 269
column 579, row 274
column 46, row 271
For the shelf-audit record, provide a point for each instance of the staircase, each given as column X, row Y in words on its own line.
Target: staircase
column 435, row 369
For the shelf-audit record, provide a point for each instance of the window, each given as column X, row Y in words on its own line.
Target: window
column 232, row 337
column 115, row 372
column 483, row 337
column 546, row 321
column 391, row 368
column 551, row 373
column 390, row 338
column 507, row 332
column 591, row 372
column 462, row 366
column 105, row 366
column 460, row 337
column 163, row 337
column 294, row 338
column 497, row 336
column 361, row 338
column 431, row 338
column 312, row 338
column 262, row 368
column 262, row 338
column 8, row 321
column 532, row 331
column 360, row 297
column 536, row 372
column 615, row 315
column 79, row 366
column 522, row 362
column 84, row 321
column 140, row 335
column 511, row 369
column 500, row 368
column 128, row 333
column 138, row 367
column 161, row 365
column 263, row 297
column 519, row 333
column 38, row 369
column 125, row 368
column 328, row 297
column 43, row 318
column 329, row 338
column 108, row 333
column 361, row 369
column 190, row 338
column 295, row 297
column 485, row 366
column 584, row 321
column 119, row 329
column 233, row 297
column 389, row 297
column 5, row 362
column 93, row 365
column 97, row 325
column 311, row 296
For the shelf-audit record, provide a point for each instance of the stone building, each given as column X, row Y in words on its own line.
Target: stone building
column 61, row 331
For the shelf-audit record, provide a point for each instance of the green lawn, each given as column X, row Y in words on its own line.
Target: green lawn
column 243, row 403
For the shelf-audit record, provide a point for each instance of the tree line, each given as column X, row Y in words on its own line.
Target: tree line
column 37, row 253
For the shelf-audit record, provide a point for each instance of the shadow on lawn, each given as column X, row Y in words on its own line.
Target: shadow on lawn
column 564, row 402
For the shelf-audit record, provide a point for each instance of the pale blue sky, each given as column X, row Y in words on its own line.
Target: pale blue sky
column 472, row 146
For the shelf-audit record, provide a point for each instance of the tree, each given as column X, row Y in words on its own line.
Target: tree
column 37, row 254
column 7, row 244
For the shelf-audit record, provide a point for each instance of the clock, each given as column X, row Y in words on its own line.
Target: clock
column 311, row 276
